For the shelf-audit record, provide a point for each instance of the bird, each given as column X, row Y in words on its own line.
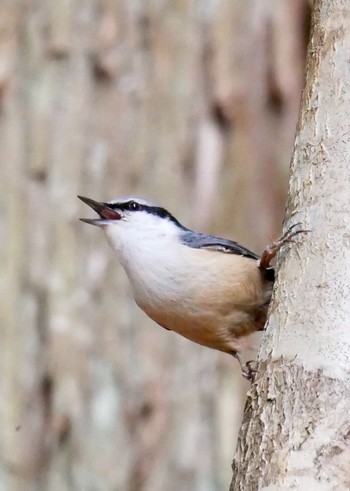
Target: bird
column 210, row 290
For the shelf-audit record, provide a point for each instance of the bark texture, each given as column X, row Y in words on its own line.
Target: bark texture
column 296, row 431
column 307, row 446
column 170, row 100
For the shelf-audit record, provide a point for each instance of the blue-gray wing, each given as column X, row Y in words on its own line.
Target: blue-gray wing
column 202, row 241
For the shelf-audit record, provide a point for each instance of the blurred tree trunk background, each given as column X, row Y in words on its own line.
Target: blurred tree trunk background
column 190, row 103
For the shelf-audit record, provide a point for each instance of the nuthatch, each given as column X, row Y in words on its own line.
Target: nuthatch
column 210, row 290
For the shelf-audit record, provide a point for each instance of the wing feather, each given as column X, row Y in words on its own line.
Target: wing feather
column 202, row 241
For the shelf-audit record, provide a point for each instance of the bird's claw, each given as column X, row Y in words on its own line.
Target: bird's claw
column 249, row 369
column 272, row 249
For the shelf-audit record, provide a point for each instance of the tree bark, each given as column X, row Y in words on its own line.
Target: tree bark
column 165, row 99
column 296, row 429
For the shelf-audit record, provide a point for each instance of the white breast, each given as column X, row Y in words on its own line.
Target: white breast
column 204, row 295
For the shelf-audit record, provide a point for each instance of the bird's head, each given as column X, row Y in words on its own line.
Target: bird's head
column 132, row 219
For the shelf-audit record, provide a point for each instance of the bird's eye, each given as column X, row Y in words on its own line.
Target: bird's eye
column 133, row 206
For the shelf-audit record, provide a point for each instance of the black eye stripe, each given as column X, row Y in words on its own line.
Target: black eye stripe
column 134, row 206
column 152, row 210
column 128, row 205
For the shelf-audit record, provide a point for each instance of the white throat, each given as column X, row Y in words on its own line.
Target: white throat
column 151, row 253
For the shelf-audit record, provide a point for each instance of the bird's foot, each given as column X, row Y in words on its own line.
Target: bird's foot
column 272, row 249
column 249, row 369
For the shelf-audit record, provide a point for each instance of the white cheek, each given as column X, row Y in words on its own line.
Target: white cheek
column 139, row 232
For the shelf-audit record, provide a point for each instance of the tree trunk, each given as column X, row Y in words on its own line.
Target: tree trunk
column 296, row 428
column 166, row 99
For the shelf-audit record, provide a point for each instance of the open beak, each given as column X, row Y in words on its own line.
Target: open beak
column 106, row 213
